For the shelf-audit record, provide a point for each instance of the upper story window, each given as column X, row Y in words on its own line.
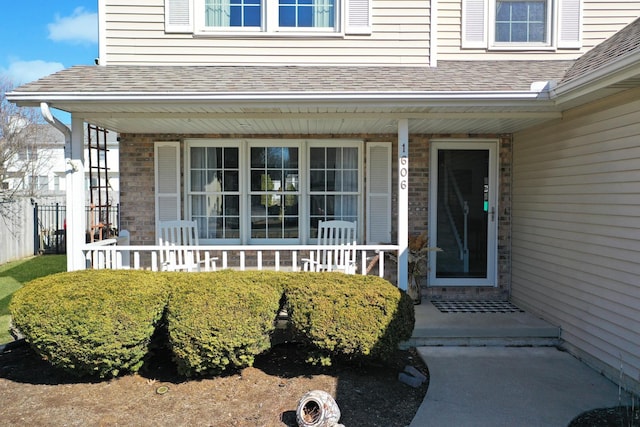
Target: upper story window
column 267, row 15
column 519, row 21
column 225, row 17
column 521, row 24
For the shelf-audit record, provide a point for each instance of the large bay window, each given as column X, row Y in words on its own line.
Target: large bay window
column 271, row 191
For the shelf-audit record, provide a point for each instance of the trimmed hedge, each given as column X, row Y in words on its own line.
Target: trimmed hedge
column 357, row 317
column 220, row 320
column 100, row 322
column 91, row 323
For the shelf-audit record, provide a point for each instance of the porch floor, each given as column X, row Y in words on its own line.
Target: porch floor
column 461, row 327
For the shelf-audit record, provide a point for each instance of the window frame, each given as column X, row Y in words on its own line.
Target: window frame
column 269, row 23
column 550, row 30
column 304, row 192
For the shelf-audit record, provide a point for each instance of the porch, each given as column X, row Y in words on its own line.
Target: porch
column 479, row 323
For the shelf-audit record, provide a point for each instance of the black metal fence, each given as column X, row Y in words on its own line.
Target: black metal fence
column 50, row 226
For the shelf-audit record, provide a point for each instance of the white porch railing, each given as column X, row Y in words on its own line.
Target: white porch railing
column 107, row 254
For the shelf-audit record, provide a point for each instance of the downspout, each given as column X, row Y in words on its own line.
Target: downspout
column 48, row 116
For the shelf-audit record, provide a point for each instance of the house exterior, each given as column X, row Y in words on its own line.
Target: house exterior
column 506, row 130
column 39, row 171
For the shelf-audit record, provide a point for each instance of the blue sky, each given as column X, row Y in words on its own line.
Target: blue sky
column 40, row 37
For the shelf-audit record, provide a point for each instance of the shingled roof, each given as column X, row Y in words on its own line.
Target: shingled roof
column 458, row 76
column 625, row 42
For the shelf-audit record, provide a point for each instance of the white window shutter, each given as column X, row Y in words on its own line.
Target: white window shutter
column 378, row 192
column 570, row 24
column 474, row 23
column 167, row 181
column 358, row 20
column 178, row 16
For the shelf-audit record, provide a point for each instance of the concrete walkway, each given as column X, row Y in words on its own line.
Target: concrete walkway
column 509, row 386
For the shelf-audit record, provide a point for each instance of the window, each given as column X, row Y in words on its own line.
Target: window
column 232, row 13
column 520, row 21
column 268, row 16
column 271, row 191
column 521, row 24
column 307, row 13
column 274, row 192
column 333, row 184
column 214, row 191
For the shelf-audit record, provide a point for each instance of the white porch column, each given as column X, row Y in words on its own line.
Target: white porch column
column 76, row 217
column 403, row 203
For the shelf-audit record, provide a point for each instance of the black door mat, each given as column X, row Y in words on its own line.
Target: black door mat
column 476, row 307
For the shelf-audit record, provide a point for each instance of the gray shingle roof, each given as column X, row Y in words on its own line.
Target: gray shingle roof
column 448, row 76
column 621, row 44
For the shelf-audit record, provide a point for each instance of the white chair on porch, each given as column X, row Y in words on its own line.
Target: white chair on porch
column 336, row 248
column 175, row 237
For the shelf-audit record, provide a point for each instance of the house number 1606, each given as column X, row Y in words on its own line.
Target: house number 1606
column 404, row 172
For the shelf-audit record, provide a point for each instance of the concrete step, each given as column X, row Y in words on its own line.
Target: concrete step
column 435, row 328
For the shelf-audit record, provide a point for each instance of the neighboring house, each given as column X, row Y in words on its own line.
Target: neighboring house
column 40, row 170
column 506, row 129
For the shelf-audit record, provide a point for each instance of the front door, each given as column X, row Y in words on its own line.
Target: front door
column 462, row 213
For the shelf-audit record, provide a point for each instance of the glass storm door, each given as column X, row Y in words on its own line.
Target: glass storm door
column 463, row 213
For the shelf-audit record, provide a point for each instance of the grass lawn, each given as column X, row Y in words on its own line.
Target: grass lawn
column 15, row 274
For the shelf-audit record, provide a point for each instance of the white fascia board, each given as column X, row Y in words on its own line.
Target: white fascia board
column 610, row 74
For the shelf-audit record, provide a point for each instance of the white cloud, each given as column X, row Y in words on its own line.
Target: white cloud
column 79, row 28
column 20, row 72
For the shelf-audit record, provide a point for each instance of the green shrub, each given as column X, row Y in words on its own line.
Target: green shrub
column 95, row 323
column 221, row 320
column 100, row 323
column 352, row 316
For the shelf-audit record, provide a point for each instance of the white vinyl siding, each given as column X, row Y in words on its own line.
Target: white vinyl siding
column 598, row 20
column 398, row 34
column 167, row 180
column 576, row 239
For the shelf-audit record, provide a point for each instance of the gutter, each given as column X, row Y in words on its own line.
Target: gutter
column 539, row 95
